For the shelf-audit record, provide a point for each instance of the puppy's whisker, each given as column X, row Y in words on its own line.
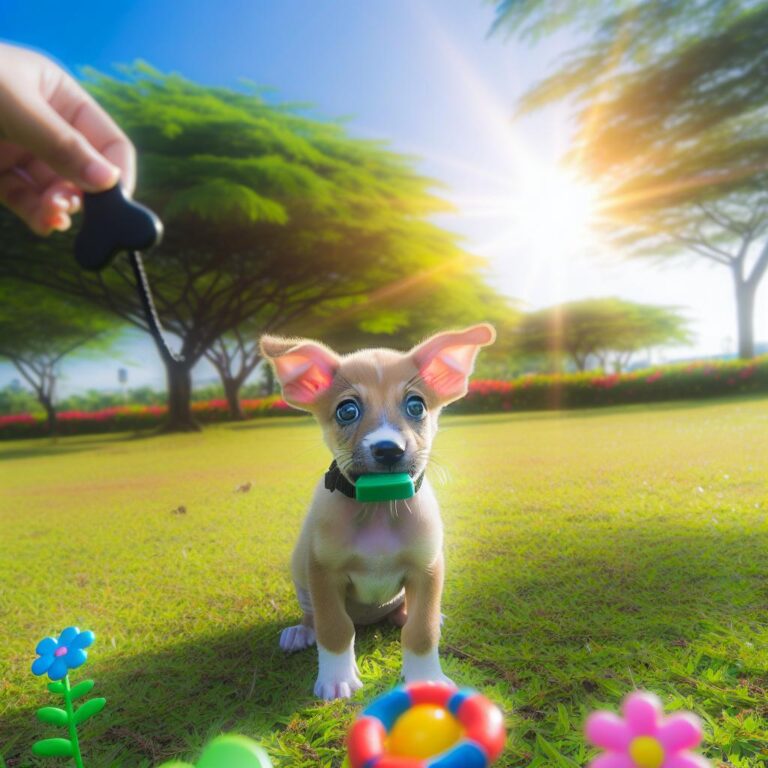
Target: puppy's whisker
column 443, row 472
column 443, row 475
column 345, row 460
column 431, row 462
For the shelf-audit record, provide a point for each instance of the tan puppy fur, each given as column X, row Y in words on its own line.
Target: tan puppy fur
column 355, row 562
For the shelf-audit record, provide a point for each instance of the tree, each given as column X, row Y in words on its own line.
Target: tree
column 672, row 118
column 398, row 314
column 38, row 329
column 269, row 214
column 235, row 356
column 607, row 330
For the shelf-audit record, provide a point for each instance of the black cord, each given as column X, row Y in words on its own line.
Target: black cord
column 148, row 304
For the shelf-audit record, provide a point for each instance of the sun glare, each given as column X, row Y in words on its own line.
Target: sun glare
column 539, row 231
column 555, row 215
column 533, row 218
column 551, row 215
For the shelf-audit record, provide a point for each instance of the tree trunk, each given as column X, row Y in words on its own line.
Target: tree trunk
column 232, row 392
column 602, row 361
column 269, row 380
column 745, row 311
column 180, row 418
column 50, row 414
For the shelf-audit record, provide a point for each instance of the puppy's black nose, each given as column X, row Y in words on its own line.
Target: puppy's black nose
column 387, row 452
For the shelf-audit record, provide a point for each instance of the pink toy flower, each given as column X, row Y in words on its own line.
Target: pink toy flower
column 644, row 738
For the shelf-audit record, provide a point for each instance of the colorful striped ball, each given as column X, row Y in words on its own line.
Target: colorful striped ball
column 481, row 722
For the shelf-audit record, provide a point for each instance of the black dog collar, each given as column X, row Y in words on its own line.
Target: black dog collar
column 335, row 481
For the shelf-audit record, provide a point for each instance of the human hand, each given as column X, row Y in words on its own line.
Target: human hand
column 56, row 142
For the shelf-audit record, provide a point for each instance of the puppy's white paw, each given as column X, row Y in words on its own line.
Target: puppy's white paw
column 337, row 689
column 337, row 677
column 419, row 668
column 296, row 638
column 441, row 678
column 429, row 677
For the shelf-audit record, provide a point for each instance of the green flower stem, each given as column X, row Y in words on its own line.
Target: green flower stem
column 71, row 724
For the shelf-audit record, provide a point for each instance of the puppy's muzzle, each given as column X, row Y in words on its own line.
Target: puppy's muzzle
column 387, row 452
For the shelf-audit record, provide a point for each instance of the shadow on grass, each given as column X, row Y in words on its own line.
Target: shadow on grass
column 575, row 621
column 269, row 423
column 171, row 701
column 602, row 607
column 65, row 444
column 56, row 446
column 38, row 451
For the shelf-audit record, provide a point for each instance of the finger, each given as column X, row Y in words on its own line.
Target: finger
column 63, row 193
column 81, row 110
column 57, row 204
column 61, row 222
column 46, row 134
column 42, row 210
column 22, row 196
column 75, row 201
column 61, row 197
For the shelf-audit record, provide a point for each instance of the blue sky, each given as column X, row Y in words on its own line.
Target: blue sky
column 421, row 74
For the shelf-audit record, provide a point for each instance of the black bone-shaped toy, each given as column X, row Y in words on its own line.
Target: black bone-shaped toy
column 113, row 223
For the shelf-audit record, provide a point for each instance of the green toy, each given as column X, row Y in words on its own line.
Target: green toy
column 384, row 487
column 229, row 752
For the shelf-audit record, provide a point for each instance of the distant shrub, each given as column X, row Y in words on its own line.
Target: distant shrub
column 15, row 400
column 585, row 390
column 527, row 393
column 124, row 418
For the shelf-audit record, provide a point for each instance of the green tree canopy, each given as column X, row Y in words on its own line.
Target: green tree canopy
column 672, row 118
column 401, row 314
column 268, row 214
column 396, row 315
column 608, row 331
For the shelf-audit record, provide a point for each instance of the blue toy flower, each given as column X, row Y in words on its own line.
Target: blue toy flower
column 56, row 657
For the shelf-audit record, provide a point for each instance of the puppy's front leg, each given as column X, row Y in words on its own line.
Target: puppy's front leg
column 337, row 677
column 421, row 633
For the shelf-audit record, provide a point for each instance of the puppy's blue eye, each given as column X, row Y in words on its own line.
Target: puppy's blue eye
column 415, row 407
column 347, row 412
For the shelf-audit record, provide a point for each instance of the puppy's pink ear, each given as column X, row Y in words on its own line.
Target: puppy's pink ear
column 304, row 368
column 446, row 360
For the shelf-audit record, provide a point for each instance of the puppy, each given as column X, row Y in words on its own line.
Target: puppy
column 357, row 563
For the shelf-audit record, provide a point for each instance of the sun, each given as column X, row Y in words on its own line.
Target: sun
column 554, row 215
column 550, row 216
column 534, row 218
column 537, row 232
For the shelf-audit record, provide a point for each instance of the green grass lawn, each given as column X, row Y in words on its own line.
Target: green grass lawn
column 588, row 553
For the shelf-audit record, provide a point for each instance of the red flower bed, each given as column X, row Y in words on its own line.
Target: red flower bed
column 130, row 417
column 530, row 392
column 590, row 389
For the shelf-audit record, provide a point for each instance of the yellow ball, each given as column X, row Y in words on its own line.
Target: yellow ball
column 423, row 731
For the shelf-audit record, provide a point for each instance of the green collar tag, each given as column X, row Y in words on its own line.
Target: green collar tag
column 384, row 487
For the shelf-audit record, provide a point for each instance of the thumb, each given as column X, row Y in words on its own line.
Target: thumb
column 44, row 132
